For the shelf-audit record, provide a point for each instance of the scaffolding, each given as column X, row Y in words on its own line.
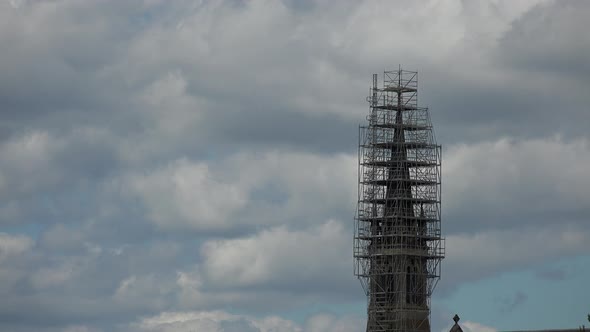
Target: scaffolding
column 398, row 245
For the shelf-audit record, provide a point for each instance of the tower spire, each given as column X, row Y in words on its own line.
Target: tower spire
column 398, row 244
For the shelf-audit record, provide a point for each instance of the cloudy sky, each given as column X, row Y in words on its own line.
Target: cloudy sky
column 191, row 166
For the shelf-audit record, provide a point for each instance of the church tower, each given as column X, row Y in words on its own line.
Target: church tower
column 398, row 244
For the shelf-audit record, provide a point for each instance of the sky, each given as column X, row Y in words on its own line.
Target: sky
column 191, row 165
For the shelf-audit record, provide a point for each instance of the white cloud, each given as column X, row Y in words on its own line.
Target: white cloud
column 245, row 189
column 301, row 184
column 27, row 163
column 219, row 321
column 55, row 275
column 279, row 256
column 14, row 245
column 39, row 165
column 469, row 326
column 294, row 56
column 214, row 321
column 535, row 181
column 80, row 328
column 148, row 291
column 186, row 194
column 16, row 3
column 332, row 323
column 168, row 115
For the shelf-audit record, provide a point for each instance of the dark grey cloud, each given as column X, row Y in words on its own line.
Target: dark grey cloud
column 57, row 52
column 280, row 128
column 135, row 134
column 556, row 42
column 508, row 304
column 554, row 274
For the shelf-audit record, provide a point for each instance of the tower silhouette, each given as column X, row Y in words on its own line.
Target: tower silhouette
column 398, row 245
